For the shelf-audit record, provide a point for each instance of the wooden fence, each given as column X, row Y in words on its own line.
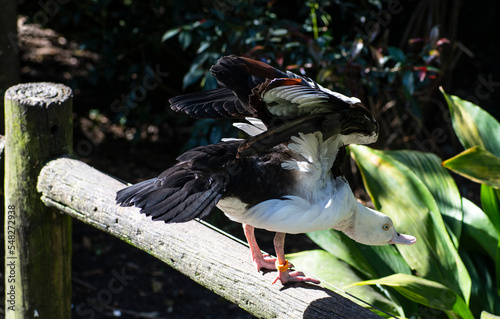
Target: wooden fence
column 45, row 187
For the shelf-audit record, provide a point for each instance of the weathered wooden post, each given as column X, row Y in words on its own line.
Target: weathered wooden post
column 38, row 127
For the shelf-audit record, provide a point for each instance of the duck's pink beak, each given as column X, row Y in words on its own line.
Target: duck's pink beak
column 403, row 239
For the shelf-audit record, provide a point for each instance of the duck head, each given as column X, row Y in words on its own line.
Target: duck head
column 371, row 227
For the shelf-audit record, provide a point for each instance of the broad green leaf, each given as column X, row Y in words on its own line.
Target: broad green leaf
column 335, row 274
column 473, row 125
column 478, row 165
column 345, row 249
column 478, row 229
column 387, row 259
column 371, row 261
column 486, row 315
column 442, row 186
column 482, row 296
column 490, row 201
column 497, row 268
column 426, row 292
column 400, row 193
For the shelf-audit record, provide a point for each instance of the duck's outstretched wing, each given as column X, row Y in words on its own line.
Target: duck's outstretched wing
column 219, row 103
column 190, row 189
column 285, row 102
column 237, row 77
column 353, row 126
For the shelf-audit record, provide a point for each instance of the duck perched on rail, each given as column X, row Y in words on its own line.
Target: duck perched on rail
column 284, row 178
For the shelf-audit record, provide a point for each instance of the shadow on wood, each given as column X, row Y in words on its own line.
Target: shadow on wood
column 208, row 257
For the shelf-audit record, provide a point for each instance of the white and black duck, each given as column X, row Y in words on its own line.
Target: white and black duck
column 285, row 177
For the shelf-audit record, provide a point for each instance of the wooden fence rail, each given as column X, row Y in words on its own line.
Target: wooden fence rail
column 207, row 256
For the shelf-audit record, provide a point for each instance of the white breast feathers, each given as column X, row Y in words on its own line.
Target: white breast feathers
column 296, row 214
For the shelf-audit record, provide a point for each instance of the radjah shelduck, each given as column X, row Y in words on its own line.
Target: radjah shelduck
column 285, row 177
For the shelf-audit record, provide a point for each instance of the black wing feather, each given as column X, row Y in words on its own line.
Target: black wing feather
column 218, row 103
column 190, row 189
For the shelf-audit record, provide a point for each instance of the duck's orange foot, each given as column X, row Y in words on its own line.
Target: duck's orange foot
column 294, row 276
column 285, row 275
column 263, row 262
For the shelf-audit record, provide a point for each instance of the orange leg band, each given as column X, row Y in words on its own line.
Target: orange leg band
column 283, row 267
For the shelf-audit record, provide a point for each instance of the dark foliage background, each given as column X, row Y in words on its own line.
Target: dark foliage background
column 125, row 59
column 391, row 54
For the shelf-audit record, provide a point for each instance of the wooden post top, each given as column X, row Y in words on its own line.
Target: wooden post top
column 39, row 93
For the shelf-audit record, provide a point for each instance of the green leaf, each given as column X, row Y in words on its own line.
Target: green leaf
column 486, row 315
column 482, row 297
column 185, row 39
column 478, row 165
column 344, row 248
column 210, row 82
column 194, row 25
column 191, row 77
column 279, row 32
column 473, row 125
column 400, row 193
column 203, row 46
column 170, row 33
column 397, row 54
column 442, row 186
column 371, row 261
column 196, row 70
column 408, row 84
column 478, row 229
column 332, row 271
column 426, row 292
column 387, row 259
column 490, row 200
column 207, row 24
column 497, row 268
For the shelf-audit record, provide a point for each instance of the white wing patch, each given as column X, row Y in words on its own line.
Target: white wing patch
column 231, row 139
column 295, row 100
column 312, row 84
column 358, row 138
column 318, row 155
column 253, row 128
column 349, row 100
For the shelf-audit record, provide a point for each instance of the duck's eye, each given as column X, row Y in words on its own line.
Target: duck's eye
column 386, row 227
